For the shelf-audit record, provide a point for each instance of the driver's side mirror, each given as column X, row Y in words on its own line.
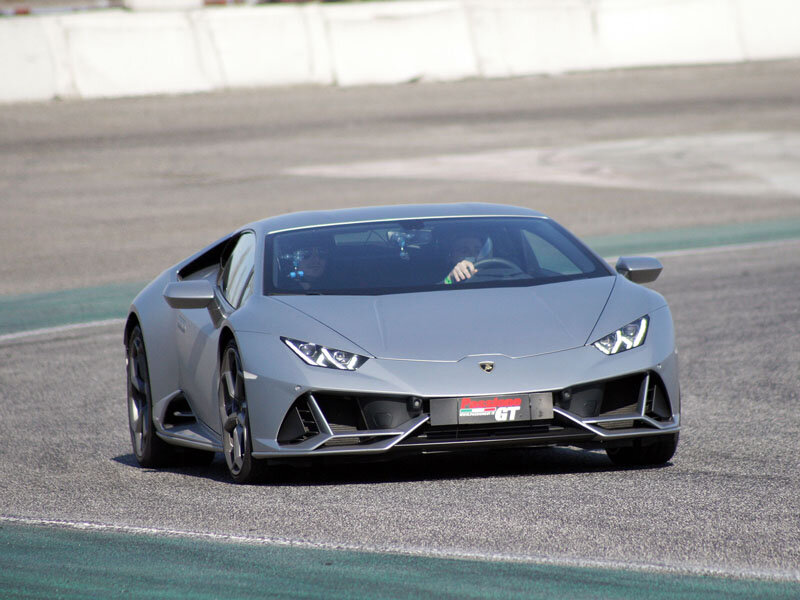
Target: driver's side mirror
column 197, row 293
column 639, row 269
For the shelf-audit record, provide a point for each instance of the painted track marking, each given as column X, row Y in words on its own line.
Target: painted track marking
column 663, row 568
column 48, row 331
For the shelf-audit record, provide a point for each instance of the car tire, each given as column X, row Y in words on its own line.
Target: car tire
column 149, row 449
column 235, row 419
column 655, row 453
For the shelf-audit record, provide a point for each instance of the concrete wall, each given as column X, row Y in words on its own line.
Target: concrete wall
column 128, row 53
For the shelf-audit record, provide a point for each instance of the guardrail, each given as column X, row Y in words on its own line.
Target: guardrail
column 117, row 52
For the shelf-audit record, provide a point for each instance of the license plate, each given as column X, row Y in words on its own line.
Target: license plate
column 473, row 410
column 494, row 409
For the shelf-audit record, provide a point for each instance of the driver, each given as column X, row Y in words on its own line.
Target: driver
column 463, row 251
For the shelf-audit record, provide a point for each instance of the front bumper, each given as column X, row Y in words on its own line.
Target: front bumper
column 604, row 413
column 297, row 410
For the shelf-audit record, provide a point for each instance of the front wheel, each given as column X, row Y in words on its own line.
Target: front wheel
column 149, row 449
column 236, row 444
column 638, row 455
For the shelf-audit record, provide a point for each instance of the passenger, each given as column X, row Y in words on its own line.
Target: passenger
column 314, row 262
column 310, row 261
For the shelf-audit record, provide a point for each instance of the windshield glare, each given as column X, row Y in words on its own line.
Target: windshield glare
column 425, row 255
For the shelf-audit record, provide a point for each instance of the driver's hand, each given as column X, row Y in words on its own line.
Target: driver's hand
column 462, row 271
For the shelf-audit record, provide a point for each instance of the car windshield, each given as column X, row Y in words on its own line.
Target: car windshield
column 391, row 257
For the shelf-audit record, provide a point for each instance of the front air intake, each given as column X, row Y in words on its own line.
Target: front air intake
column 299, row 423
column 619, row 397
column 178, row 413
column 656, row 405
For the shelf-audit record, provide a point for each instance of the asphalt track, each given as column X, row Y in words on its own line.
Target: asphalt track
column 104, row 195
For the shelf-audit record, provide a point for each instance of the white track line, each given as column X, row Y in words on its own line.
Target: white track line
column 8, row 337
column 710, row 249
column 726, row 248
column 592, row 563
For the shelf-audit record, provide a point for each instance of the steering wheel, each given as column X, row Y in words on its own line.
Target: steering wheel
column 502, row 262
column 485, row 269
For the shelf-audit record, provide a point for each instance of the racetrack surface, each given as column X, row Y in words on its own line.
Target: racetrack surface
column 110, row 193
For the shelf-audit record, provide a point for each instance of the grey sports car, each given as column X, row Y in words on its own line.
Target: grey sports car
column 407, row 328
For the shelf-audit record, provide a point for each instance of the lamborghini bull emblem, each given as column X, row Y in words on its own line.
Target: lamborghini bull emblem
column 487, row 366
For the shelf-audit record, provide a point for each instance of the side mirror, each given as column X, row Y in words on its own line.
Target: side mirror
column 639, row 269
column 197, row 293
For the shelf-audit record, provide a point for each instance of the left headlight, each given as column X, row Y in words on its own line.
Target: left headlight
column 624, row 338
column 322, row 356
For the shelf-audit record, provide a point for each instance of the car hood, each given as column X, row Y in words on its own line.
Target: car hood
column 451, row 324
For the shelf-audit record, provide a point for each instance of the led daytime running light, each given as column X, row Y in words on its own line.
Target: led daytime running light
column 321, row 356
column 624, row 338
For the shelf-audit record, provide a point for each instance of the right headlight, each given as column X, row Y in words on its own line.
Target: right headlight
column 624, row 338
column 322, row 356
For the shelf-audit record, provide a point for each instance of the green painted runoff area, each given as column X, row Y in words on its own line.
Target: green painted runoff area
column 51, row 309
column 694, row 237
column 57, row 562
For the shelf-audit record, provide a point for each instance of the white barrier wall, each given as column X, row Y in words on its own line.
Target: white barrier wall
column 27, row 70
column 394, row 42
column 523, row 37
column 633, row 33
column 113, row 53
column 122, row 53
column 257, row 47
column 770, row 28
